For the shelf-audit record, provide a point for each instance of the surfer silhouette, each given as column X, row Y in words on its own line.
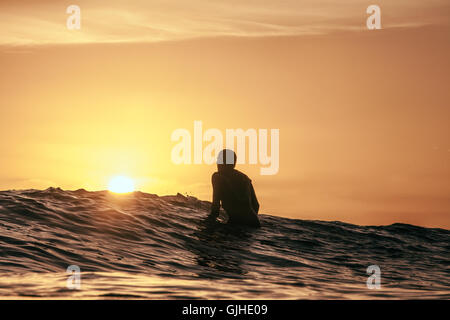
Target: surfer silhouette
column 234, row 190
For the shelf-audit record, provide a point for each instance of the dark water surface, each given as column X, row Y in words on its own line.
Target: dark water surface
column 141, row 245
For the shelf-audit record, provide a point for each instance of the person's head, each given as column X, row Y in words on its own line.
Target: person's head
column 226, row 160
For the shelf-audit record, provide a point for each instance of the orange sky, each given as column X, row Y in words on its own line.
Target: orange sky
column 363, row 115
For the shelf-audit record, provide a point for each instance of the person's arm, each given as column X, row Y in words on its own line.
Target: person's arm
column 255, row 203
column 215, row 205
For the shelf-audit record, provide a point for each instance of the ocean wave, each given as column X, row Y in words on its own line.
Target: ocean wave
column 125, row 243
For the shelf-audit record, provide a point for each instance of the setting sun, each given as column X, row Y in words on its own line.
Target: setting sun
column 121, row 184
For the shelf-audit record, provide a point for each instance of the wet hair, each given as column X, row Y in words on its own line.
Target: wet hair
column 226, row 159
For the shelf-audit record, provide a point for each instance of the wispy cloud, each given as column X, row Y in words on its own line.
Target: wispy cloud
column 44, row 22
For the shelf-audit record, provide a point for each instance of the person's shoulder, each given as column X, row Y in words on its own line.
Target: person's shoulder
column 215, row 176
column 242, row 175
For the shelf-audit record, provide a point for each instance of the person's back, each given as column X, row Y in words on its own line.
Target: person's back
column 234, row 190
